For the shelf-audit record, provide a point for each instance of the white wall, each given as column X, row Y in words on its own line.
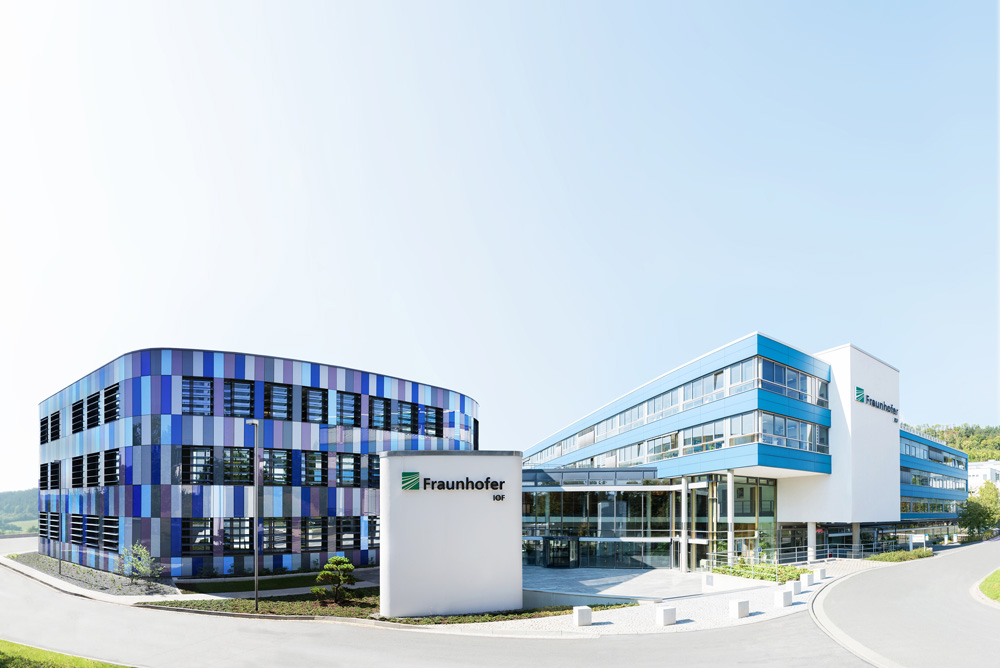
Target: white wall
column 450, row 551
column 863, row 485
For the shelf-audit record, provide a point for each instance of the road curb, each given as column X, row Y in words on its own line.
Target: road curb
column 825, row 624
column 977, row 593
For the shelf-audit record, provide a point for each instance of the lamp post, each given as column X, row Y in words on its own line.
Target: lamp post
column 256, row 518
column 59, row 515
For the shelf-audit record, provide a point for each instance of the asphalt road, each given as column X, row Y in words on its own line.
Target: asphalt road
column 921, row 613
column 34, row 614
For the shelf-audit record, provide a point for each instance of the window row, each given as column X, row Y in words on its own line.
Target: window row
column 930, row 453
column 752, row 373
column 85, row 471
column 750, row 427
column 198, row 467
column 276, row 534
column 94, row 531
column 909, row 504
column 84, row 414
column 908, row 476
column 238, row 401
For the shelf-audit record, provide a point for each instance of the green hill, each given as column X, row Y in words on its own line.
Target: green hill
column 19, row 511
column 980, row 443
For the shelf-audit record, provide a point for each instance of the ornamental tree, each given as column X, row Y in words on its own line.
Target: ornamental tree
column 336, row 573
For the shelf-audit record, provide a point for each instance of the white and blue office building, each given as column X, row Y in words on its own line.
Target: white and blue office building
column 754, row 449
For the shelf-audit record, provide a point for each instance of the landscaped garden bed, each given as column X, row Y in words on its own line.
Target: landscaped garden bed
column 769, row 572
column 360, row 603
column 903, row 555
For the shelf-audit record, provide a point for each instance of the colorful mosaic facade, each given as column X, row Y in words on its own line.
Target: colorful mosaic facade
column 156, row 447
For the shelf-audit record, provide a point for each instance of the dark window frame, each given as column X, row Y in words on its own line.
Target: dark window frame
column 433, row 422
column 354, row 471
column 112, row 403
column 276, row 534
column 271, row 463
column 269, row 409
column 237, row 535
column 232, row 406
column 374, row 531
column 112, row 464
column 353, row 418
column 197, row 536
column 197, row 465
column 77, row 472
column 93, row 469
column 380, row 418
column 315, row 468
column 77, row 414
column 315, row 398
column 374, row 471
column 94, row 410
column 348, row 533
column 193, row 399
column 238, row 469
column 411, row 411
column 314, row 534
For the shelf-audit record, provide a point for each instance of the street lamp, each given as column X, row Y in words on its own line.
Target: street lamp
column 256, row 517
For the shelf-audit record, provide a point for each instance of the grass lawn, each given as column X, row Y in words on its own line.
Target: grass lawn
column 903, row 555
column 21, row 656
column 266, row 584
column 770, row 572
column 991, row 586
column 362, row 603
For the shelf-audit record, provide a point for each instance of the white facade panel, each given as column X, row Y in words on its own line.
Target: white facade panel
column 477, row 531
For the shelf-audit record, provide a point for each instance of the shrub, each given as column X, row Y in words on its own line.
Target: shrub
column 770, row 572
column 136, row 562
column 336, row 573
column 903, row 555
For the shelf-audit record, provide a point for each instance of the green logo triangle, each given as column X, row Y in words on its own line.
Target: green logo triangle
column 859, row 394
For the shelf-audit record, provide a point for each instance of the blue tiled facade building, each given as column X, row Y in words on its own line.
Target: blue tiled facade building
column 157, row 447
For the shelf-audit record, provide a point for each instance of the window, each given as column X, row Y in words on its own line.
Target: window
column 109, row 534
column 111, row 403
column 373, row 471
column 475, row 433
column 433, row 422
column 314, row 468
column 55, row 478
column 238, row 398
column 277, row 401
column 277, row 467
column 314, row 534
column 349, row 409
column 196, row 465
column 348, row 470
column 43, row 476
column 406, row 421
column 196, row 537
column 374, row 525
column 237, row 535
column 111, row 467
column 237, row 466
column 196, row 396
column 43, row 525
column 77, row 472
column 378, row 413
column 94, row 469
column 77, row 417
column 277, row 535
column 92, row 537
column 93, row 410
column 314, row 405
column 76, row 529
column 43, row 431
column 54, row 526
column 348, row 533
column 54, row 426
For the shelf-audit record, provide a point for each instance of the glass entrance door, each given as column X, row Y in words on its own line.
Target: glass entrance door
column 562, row 552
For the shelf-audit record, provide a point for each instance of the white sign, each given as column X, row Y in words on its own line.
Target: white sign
column 451, row 532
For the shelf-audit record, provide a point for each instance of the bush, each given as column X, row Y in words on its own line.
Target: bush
column 336, row 573
column 136, row 563
column 770, row 572
column 903, row 555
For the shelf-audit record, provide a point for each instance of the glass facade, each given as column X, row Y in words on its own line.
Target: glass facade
column 750, row 374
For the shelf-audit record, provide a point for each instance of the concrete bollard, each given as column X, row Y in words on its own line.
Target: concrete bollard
column 739, row 609
column 782, row 599
column 666, row 616
column 581, row 615
column 806, row 579
column 795, row 586
column 708, row 580
column 820, row 574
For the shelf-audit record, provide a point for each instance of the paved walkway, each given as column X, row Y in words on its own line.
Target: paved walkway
column 919, row 613
column 36, row 615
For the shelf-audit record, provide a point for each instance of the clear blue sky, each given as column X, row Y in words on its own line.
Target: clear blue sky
column 542, row 205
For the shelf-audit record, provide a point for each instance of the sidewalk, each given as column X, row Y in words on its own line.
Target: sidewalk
column 697, row 607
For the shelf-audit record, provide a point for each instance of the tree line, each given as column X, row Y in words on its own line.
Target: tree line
column 980, row 443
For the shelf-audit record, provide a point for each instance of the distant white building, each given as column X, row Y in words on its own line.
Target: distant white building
column 980, row 472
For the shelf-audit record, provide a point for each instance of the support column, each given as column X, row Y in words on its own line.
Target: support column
column 855, row 537
column 811, row 541
column 731, row 513
column 684, row 524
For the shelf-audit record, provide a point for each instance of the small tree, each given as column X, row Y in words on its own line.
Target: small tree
column 136, row 562
column 336, row 573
